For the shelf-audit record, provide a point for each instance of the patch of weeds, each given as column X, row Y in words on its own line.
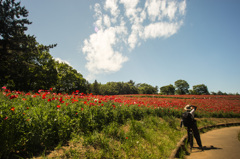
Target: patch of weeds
column 151, row 137
column 71, row 153
column 172, row 121
column 97, row 140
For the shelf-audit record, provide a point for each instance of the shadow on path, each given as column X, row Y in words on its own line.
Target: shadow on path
column 205, row 148
column 211, row 148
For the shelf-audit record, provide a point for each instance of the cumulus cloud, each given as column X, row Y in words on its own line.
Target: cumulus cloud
column 100, row 53
column 126, row 24
column 161, row 29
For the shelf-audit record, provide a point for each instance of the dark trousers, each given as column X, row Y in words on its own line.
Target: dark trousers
column 195, row 133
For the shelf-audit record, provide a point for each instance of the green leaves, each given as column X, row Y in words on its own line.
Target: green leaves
column 181, row 87
column 200, row 89
column 167, row 90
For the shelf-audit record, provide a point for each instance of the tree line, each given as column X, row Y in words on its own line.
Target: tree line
column 117, row 88
column 181, row 87
column 26, row 65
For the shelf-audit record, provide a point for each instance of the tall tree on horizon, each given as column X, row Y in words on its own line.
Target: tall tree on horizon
column 181, row 87
column 200, row 89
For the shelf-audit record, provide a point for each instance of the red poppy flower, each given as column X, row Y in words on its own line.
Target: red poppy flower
column 12, row 109
column 58, row 106
column 13, row 96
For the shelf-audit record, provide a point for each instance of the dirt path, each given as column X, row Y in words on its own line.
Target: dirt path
column 221, row 144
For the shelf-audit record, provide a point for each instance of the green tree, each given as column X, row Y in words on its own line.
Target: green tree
column 144, row 88
column 200, row 89
column 12, row 38
column 110, row 88
column 68, row 79
column 181, row 87
column 95, row 88
column 116, row 88
column 19, row 53
column 132, row 87
column 43, row 75
column 167, row 90
column 213, row 93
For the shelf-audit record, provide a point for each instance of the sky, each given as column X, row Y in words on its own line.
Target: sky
column 148, row 41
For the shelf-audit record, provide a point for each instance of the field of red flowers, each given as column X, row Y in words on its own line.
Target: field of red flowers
column 35, row 121
column 205, row 103
column 208, row 103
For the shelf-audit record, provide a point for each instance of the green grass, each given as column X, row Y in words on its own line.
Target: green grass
column 151, row 137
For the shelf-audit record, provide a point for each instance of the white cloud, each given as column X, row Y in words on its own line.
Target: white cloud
column 182, row 7
column 62, row 61
column 130, row 7
column 171, row 10
column 101, row 55
column 135, row 35
column 123, row 24
column 160, row 29
column 98, row 16
column 153, row 8
column 107, row 21
column 113, row 7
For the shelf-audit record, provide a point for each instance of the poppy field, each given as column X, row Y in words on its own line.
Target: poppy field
column 35, row 121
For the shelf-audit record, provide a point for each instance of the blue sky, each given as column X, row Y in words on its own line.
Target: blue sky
column 148, row 41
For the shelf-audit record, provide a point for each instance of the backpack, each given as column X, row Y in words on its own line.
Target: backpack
column 187, row 119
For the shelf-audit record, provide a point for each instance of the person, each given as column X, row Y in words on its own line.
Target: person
column 192, row 125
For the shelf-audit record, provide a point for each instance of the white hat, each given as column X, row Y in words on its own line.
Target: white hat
column 188, row 107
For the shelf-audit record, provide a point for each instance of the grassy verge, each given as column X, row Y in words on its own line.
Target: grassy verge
column 151, row 137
